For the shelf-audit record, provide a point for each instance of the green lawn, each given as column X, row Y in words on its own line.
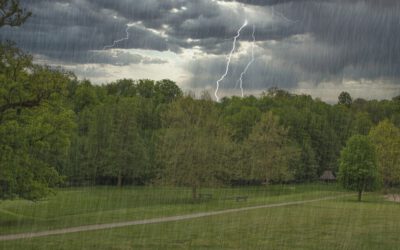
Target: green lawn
column 335, row 224
column 83, row 206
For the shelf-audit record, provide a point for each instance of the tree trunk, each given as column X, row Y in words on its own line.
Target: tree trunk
column 194, row 192
column 119, row 182
column 359, row 194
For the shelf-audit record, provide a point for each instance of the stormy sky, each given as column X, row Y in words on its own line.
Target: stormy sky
column 317, row 47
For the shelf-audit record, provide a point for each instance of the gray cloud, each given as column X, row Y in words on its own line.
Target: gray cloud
column 68, row 29
column 76, row 26
column 116, row 58
column 356, row 34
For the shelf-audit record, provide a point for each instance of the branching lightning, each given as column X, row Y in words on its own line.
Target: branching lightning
column 240, row 80
column 229, row 59
column 115, row 42
column 119, row 40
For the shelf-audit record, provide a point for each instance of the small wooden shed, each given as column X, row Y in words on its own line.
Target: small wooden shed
column 328, row 176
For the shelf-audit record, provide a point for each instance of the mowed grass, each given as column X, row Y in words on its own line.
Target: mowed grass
column 342, row 223
column 86, row 206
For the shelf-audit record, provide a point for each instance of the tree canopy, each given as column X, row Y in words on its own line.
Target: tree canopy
column 345, row 99
column 35, row 125
column 358, row 167
column 386, row 137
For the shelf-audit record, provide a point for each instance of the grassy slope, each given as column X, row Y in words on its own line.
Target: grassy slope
column 334, row 224
column 83, row 206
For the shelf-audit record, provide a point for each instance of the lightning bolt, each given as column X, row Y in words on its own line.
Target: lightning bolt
column 228, row 63
column 240, row 80
column 115, row 42
column 279, row 14
column 119, row 40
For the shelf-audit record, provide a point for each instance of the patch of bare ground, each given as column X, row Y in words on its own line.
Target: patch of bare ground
column 393, row 197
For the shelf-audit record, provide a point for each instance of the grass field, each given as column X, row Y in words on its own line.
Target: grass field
column 342, row 223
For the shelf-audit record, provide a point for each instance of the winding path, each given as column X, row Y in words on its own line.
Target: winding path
column 152, row 221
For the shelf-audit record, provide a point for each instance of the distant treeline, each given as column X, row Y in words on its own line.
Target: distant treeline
column 56, row 130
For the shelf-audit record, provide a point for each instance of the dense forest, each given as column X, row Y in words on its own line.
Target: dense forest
column 56, row 130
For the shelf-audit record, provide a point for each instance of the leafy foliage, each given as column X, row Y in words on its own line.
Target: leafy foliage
column 193, row 145
column 271, row 152
column 358, row 167
column 386, row 137
column 35, row 126
column 345, row 99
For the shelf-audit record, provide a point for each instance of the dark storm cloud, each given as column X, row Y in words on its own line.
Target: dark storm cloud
column 82, row 25
column 329, row 41
column 314, row 40
column 150, row 12
column 265, row 2
column 68, row 30
column 116, row 58
column 356, row 33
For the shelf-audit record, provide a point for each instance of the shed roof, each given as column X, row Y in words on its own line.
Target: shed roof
column 327, row 176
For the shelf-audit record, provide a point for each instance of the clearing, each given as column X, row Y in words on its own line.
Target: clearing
column 340, row 223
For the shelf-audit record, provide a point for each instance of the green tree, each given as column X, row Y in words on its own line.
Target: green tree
column 313, row 133
column 306, row 169
column 145, row 88
column 126, row 153
column 341, row 120
column 345, row 99
column 123, row 87
column 358, row 165
column 278, row 93
column 361, row 124
column 35, row 126
column 84, row 96
column 167, row 91
column 116, row 149
column 242, row 122
column 386, row 138
column 192, row 148
column 78, row 167
column 270, row 150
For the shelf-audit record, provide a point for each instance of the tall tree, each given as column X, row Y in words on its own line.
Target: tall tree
column 117, row 150
column 270, row 150
column 123, row 87
column 361, row 124
column 358, row 166
column 192, row 146
column 386, row 138
column 84, row 96
column 167, row 91
column 345, row 99
column 35, row 126
column 145, row 88
column 242, row 122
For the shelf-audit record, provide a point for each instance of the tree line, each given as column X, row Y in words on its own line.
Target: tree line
column 56, row 130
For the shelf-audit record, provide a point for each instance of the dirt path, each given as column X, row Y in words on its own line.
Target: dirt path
column 151, row 221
